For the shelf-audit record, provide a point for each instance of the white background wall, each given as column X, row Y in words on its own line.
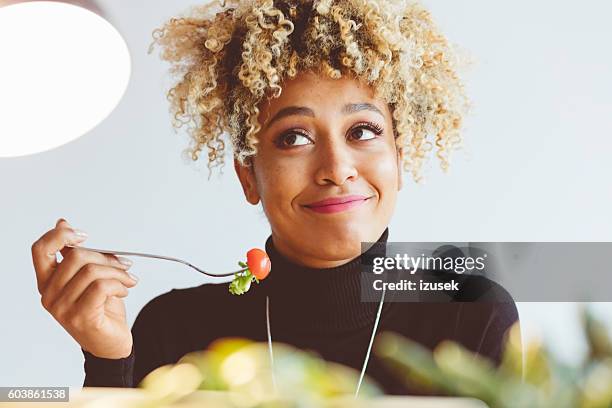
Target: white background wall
column 536, row 168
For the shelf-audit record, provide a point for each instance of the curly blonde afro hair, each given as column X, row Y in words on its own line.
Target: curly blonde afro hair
column 229, row 55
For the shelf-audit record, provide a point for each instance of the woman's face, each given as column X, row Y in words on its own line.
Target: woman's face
column 327, row 169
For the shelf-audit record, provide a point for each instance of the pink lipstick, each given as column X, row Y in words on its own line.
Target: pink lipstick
column 337, row 204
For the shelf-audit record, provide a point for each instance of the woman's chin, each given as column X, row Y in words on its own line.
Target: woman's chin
column 336, row 255
column 349, row 230
column 342, row 242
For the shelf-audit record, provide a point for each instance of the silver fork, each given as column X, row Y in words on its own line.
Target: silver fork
column 165, row 258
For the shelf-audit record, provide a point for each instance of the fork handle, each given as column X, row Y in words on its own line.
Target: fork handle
column 165, row 258
column 128, row 253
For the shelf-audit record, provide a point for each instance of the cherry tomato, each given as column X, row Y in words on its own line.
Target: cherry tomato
column 258, row 262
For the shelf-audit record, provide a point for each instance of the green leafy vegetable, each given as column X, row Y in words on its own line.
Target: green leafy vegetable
column 242, row 280
column 256, row 269
column 241, row 283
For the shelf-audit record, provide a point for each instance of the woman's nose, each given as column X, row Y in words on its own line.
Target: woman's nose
column 335, row 164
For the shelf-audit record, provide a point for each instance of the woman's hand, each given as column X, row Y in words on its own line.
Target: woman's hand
column 84, row 291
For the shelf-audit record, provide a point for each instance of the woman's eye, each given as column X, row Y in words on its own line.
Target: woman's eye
column 365, row 133
column 292, row 139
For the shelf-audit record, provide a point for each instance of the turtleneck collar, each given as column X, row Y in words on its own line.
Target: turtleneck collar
column 311, row 299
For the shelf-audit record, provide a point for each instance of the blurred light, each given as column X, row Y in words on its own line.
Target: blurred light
column 239, row 368
column 64, row 69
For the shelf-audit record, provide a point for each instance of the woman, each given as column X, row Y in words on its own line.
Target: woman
column 325, row 103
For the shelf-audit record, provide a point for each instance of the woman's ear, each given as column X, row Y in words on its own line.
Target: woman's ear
column 400, row 163
column 246, row 175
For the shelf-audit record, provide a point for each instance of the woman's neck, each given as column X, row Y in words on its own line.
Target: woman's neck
column 309, row 298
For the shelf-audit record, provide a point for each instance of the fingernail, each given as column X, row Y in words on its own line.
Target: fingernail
column 60, row 220
column 134, row 277
column 125, row 261
column 80, row 234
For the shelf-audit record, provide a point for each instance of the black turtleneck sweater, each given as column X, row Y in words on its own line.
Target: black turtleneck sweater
column 316, row 309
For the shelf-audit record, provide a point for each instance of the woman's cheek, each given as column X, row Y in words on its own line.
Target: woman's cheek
column 382, row 172
column 281, row 184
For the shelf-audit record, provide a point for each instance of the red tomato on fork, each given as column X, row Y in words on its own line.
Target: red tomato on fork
column 258, row 262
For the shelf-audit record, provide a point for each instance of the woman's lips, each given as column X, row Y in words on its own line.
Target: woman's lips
column 337, row 204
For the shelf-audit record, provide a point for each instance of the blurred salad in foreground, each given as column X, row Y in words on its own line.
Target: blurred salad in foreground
column 241, row 369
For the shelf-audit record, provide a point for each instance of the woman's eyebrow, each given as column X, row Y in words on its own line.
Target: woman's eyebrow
column 289, row 111
column 304, row 111
column 356, row 107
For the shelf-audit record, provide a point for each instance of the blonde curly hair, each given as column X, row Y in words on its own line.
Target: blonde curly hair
column 229, row 55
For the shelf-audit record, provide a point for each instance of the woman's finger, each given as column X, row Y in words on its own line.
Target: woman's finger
column 98, row 291
column 75, row 260
column 45, row 248
column 62, row 223
column 90, row 273
column 70, row 293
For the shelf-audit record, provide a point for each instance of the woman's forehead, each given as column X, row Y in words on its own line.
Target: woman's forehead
column 321, row 93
